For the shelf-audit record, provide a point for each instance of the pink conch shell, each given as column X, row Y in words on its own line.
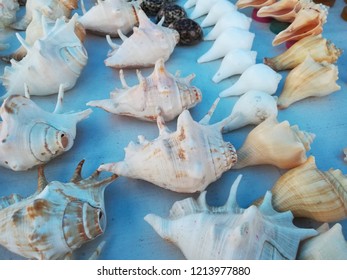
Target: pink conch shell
column 144, row 47
column 108, row 16
column 284, row 10
column 186, row 160
column 52, row 9
column 57, row 219
column 57, row 58
column 229, row 232
column 31, row 136
column 253, row 3
column 159, row 90
column 308, row 21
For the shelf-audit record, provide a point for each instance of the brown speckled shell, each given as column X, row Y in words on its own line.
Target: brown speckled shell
column 152, row 7
column 190, row 31
column 171, row 12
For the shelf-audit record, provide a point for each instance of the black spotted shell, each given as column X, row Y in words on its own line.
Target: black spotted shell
column 190, row 31
column 152, row 7
column 170, row 12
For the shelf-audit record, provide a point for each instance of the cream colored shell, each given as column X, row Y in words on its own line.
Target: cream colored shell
column 8, row 10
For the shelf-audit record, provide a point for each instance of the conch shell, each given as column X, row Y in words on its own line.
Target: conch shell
column 229, row 232
column 57, row 58
column 235, row 62
column 108, row 16
column 218, row 9
column 310, row 78
column 31, row 136
column 35, row 31
column 160, row 90
column 144, row 47
column 231, row 38
column 311, row 193
column 274, row 143
column 308, row 21
column 330, row 244
column 241, row 4
column 319, row 48
column 284, row 10
column 202, row 7
column 256, row 77
column 8, row 10
column 52, row 9
column 57, row 219
column 186, row 160
column 232, row 19
column 253, row 107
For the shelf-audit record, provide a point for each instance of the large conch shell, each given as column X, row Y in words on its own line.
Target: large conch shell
column 319, row 48
column 311, row 193
column 308, row 21
column 218, row 9
column 253, row 107
column 144, row 47
column 35, row 31
column 229, row 232
column 241, row 4
column 235, row 62
column 232, row 19
column 160, row 90
column 330, row 244
column 310, row 78
column 57, row 58
column 202, row 7
column 31, row 136
column 52, row 9
column 8, row 10
column 57, row 219
column 256, row 77
column 108, row 16
column 186, row 160
column 284, row 10
column 231, row 38
column 274, row 143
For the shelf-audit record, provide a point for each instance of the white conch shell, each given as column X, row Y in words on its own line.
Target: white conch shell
column 308, row 21
column 57, row 58
column 310, row 78
column 35, row 31
column 235, row 62
column 159, row 90
column 202, row 7
column 189, row 4
column 31, row 136
column 218, row 9
column 145, row 46
column 8, row 10
column 52, row 9
column 284, row 10
column 319, row 48
column 186, row 160
column 309, row 192
column 253, row 107
column 330, row 244
column 274, row 143
column 232, row 19
column 229, row 232
column 254, row 3
column 110, row 15
column 231, row 38
column 57, row 219
column 257, row 77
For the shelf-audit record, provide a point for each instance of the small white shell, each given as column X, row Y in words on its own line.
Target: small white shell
column 232, row 19
column 235, row 62
column 201, row 8
column 218, row 9
column 253, row 107
column 8, row 10
column 231, row 38
column 190, row 4
column 257, row 77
